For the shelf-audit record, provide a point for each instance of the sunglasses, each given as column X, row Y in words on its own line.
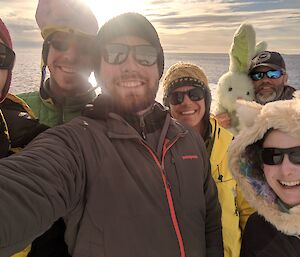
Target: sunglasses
column 63, row 45
column 194, row 94
column 271, row 74
column 7, row 57
column 274, row 156
column 145, row 55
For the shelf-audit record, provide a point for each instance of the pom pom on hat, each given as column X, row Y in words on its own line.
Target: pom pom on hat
column 65, row 15
column 132, row 24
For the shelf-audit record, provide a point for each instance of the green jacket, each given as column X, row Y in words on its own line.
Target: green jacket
column 54, row 111
column 235, row 209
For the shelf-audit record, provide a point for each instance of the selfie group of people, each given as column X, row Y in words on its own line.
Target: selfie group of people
column 121, row 175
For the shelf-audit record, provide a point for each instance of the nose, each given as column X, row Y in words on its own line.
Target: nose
column 287, row 166
column 130, row 63
column 73, row 52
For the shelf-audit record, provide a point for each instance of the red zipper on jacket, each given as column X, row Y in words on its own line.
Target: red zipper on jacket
column 168, row 192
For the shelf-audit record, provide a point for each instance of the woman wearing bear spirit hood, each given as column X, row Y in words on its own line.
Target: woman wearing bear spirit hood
column 265, row 160
column 188, row 96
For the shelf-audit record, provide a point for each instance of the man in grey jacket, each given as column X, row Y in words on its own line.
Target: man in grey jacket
column 127, row 179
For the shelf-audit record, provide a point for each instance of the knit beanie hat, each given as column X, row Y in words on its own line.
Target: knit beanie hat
column 131, row 24
column 5, row 36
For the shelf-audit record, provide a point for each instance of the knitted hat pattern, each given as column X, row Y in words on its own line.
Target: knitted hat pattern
column 132, row 24
column 5, row 37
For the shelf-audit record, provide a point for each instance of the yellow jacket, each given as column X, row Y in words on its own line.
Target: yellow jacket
column 235, row 209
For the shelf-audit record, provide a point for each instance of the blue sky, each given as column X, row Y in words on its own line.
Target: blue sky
column 183, row 25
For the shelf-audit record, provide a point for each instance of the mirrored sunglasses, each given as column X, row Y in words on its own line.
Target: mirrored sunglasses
column 145, row 55
column 271, row 74
column 195, row 94
column 7, row 57
column 275, row 156
column 63, row 45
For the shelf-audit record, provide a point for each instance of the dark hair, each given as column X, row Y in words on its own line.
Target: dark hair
column 252, row 156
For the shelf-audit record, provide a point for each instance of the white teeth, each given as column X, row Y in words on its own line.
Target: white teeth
column 290, row 183
column 130, row 84
column 188, row 112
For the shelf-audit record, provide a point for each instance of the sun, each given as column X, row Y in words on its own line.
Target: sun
column 112, row 8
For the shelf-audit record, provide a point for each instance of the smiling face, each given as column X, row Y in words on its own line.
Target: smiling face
column 189, row 112
column 284, row 178
column 69, row 67
column 131, row 85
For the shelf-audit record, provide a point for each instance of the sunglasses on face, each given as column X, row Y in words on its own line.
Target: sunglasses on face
column 194, row 94
column 7, row 57
column 271, row 74
column 63, row 45
column 274, row 156
column 145, row 55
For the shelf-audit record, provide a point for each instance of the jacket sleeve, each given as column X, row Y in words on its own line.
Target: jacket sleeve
column 37, row 186
column 245, row 210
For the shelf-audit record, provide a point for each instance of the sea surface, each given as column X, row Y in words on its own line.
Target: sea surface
column 26, row 74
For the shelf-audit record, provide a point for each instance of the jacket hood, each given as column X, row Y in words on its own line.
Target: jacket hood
column 255, row 121
column 5, row 36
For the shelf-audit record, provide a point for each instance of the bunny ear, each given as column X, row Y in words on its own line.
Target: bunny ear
column 242, row 48
column 260, row 47
column 247, row 112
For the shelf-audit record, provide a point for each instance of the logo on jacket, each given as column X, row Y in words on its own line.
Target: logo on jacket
column 189, row 157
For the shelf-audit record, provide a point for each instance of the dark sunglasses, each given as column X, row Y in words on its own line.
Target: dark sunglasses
column 7, row 57
column 62, row 45
column 145, row 55
column 194, row 94
column 274, row 156
column 271, row 74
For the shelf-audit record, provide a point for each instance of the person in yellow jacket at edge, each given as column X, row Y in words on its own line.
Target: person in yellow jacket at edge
column 187, row 94
column 18, row 125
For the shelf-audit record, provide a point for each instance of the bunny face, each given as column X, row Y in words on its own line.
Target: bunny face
column 233, row 86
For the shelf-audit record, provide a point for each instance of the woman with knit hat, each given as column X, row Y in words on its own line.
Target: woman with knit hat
column 187, row 94
column 18, row 125
column 265, row 160
column 68, row 28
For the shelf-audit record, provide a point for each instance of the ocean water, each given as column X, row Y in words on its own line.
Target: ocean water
column 26, row 74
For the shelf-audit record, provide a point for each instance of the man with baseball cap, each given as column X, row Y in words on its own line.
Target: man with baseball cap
column 269, row 76
column 268, row 73
column 127, row 179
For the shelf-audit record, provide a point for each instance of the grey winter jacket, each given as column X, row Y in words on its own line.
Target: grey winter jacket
column 118, row 196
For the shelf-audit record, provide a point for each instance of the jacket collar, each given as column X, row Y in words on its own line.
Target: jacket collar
column 71, row 102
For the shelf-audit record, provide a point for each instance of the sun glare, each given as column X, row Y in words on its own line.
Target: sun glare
column 112, row 8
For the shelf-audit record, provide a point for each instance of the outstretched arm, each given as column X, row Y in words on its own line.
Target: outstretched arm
column 38, row 186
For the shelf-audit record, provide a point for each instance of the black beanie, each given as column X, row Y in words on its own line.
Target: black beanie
column 132, row 24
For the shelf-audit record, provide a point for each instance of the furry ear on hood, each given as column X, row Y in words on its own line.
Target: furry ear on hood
column 247, row 112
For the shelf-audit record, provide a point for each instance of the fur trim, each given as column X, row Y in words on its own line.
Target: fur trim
column 285, row 116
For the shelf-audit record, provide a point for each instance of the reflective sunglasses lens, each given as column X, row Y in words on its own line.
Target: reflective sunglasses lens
column 257, row 76
column 115, row 53
column 271, row 157
column 176, row 98
column 7, row 57
column 146, row 55
column 274, row 74
column 196, row 94
column 60, row 45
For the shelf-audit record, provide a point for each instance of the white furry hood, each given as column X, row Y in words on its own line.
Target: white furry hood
column 255, row 120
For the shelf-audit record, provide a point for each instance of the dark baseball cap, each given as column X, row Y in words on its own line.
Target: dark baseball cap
column 273, row 60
